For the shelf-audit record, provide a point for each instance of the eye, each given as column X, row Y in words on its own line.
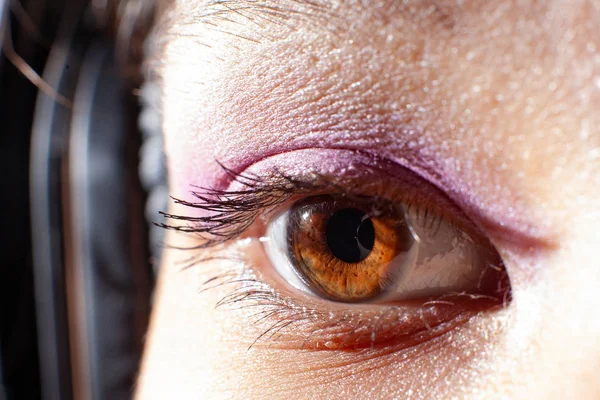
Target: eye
column 371, row 257
column 373, row 250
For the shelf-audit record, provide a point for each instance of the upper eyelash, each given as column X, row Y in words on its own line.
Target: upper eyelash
column 232, row 212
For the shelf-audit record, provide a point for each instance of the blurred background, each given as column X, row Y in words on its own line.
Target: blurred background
column 82, row 182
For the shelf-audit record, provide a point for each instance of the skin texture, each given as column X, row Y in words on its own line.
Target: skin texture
column 497, row 100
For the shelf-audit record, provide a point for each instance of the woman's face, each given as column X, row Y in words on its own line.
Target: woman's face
column 455, row 133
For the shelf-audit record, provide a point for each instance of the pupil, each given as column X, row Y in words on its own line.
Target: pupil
column 350, row 235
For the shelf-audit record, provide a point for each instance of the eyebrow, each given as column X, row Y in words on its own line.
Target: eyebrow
column 325, row 13
column 276, row 12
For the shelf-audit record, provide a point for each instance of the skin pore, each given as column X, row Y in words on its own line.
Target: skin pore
column 493, row 102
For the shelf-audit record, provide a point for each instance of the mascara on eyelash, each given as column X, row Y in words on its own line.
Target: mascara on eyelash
column 230, row 213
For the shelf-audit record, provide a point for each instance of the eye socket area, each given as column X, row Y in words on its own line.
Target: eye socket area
column 371, row 250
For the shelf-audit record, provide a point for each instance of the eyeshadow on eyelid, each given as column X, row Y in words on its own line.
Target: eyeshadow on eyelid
column 337, row 162
column 437, row 155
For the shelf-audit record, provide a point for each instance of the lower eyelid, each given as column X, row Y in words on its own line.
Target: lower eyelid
column 293, row 320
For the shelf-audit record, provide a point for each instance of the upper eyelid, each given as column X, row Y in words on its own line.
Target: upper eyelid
column 284, row 132
column 229, row 213
column 230, row 209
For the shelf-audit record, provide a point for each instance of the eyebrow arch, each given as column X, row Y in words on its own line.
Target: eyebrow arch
column 274, row 12
column 329, row 15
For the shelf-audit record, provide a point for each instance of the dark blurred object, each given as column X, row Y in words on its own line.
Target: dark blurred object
column 18, row 340
column 76, row 281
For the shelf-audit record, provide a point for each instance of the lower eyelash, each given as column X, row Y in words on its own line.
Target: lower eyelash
column 278, row 321
column 272, row 311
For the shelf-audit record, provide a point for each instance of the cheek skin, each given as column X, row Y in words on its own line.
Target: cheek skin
column 197, row 351
column 203, row 352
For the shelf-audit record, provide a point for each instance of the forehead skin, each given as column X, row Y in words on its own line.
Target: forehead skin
column 504, row 94
column 514, row 82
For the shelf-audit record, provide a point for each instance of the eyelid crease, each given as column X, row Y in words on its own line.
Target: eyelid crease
column 520, row 234
column 228, row 213
column 224, row 212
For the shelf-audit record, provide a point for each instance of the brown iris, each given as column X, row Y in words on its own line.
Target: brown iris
column 345, row 250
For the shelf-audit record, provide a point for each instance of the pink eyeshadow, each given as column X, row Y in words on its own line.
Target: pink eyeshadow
column 507, row 227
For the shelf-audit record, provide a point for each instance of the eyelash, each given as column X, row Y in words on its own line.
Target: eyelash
column 231, row 213
column 279, row 313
